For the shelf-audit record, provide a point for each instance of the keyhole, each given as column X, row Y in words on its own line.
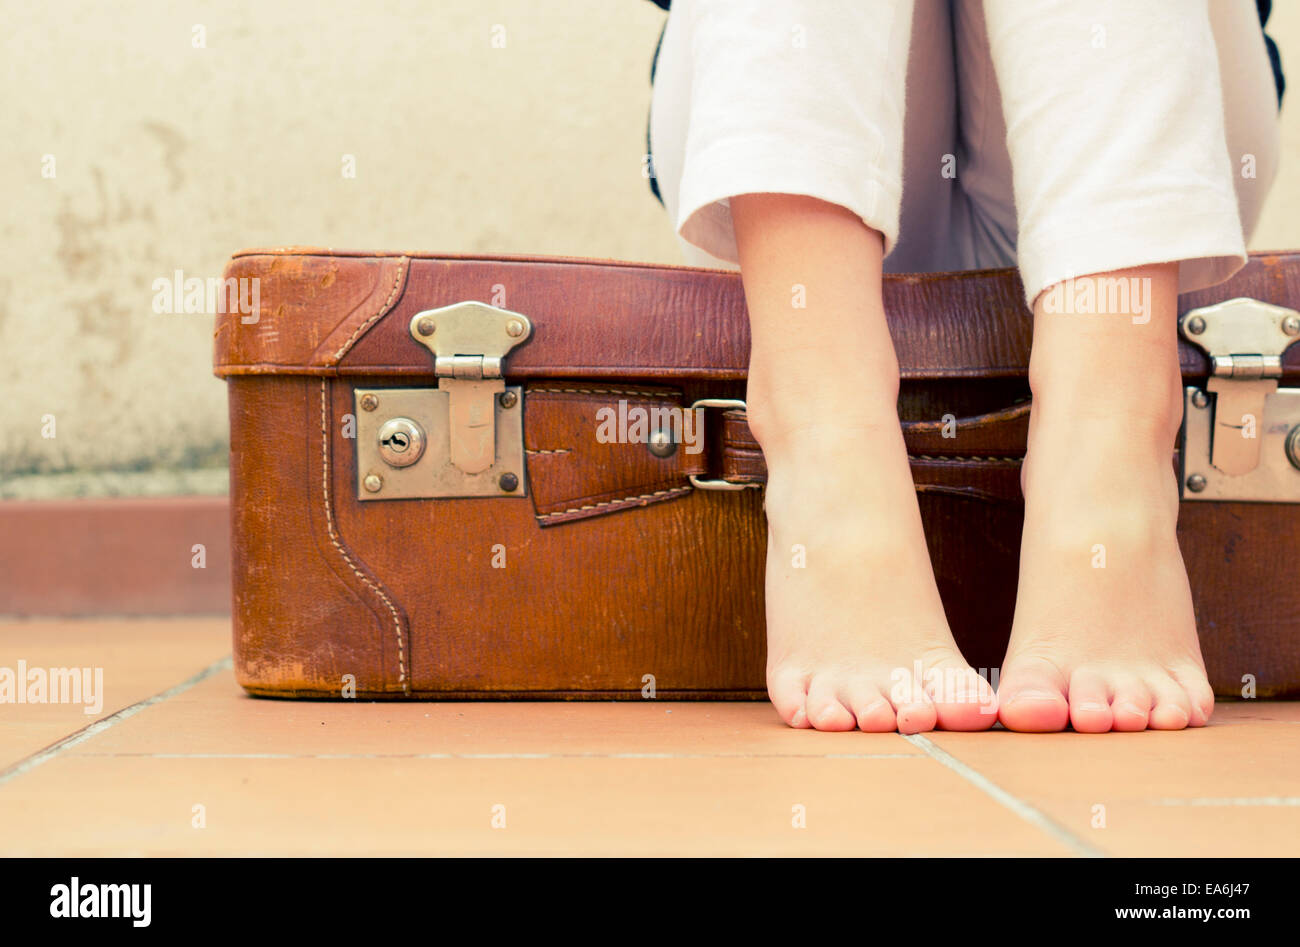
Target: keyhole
column 401, row 442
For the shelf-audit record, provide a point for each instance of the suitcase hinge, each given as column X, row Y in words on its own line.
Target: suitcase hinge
column 1241, row 433
column 461, row 439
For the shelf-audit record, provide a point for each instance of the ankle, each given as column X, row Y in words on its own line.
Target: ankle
column 1137, row 407
column 826, row 410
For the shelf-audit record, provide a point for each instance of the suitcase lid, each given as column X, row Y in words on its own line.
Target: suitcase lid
column 313, row 311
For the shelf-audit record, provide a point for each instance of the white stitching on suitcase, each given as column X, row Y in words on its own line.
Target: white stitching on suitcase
column 558, row 450
column 401, row 269
column 967, row 457
column 595, row 506
column 603, row 391
column 329, row 523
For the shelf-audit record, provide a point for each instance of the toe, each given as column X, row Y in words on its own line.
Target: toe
column 1031, row 697
column 1089, row 702
column 1130, row 706
column 1171, row 710
column 874, row 713
column 788, row 691
column 825, row 710
column 916, row 717
column 913, row 708
column 962, row 699
column 1199, row 694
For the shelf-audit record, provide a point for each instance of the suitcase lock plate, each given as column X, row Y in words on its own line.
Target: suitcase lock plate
column 1241, row 432
column 465, row 437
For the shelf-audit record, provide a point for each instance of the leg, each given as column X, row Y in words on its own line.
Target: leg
column 1117, row 138
column 778, row 144
column 1104, row 636
column 852, row 605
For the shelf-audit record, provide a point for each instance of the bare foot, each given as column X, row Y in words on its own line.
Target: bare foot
column 856, row 635
column 1104, row 636
column 855, row 629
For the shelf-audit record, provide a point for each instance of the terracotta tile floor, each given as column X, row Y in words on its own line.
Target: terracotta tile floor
column 177, row 744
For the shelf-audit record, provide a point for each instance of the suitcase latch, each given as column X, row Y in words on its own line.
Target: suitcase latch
column 461, row 439
column 1241, row 432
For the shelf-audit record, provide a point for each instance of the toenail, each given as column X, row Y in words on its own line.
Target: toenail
column 1129, row 708
column 1035, row 695
column 798, row 718
column 1091, row 705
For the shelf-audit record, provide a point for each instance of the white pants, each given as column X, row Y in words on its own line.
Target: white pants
column 1068, row 137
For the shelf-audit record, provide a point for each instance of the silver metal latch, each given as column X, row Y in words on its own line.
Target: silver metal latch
column 461, row 439
column 1241, row 433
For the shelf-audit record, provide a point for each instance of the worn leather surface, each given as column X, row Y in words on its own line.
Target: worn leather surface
column 613, row 568
column 413, row 597
column 654, row 322
column 312, row 310
column 573, row 474
column 307, row 608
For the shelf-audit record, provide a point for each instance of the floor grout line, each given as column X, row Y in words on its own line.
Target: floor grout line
column 1234, row 801
column 1001, row 796
column 99, row 726
column 506, row 756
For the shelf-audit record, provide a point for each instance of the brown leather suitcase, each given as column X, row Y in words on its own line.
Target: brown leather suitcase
column 467, row 477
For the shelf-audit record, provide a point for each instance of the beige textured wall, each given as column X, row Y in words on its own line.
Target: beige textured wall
column 168, row 156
